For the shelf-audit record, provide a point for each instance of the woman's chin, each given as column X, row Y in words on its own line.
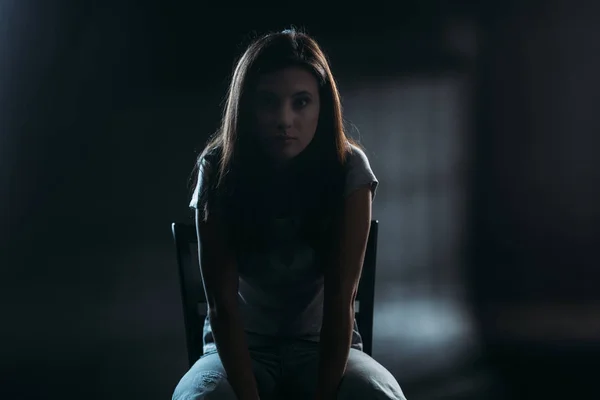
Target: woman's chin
column 283, row 155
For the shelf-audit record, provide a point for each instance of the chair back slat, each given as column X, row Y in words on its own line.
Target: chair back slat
column 366, row 291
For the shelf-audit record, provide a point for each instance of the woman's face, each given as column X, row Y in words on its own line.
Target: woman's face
column 286, row 109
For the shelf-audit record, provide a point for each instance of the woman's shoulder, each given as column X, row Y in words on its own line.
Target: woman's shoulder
column 358, row 169
column 356, row 157
column 210, row 157
column 206, row 176
column 208, row 165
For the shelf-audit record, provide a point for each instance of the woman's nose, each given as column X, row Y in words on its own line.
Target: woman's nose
column 285, row 117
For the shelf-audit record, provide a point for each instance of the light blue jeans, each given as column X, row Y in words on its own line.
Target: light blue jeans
column 288, row 370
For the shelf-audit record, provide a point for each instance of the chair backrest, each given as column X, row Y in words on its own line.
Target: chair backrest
column 194, row 300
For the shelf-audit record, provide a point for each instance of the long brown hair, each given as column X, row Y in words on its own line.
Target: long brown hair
column 267, row 53
column 232, row 142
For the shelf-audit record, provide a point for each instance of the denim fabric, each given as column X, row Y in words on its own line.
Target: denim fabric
column 287, row 369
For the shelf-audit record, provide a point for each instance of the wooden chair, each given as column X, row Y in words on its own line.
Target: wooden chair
column 195, row 305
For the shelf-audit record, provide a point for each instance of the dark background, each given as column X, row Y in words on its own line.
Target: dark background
column 480, row 119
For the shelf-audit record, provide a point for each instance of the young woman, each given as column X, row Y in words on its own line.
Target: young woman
column 283, row 209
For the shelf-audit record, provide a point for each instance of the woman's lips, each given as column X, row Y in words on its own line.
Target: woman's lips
column 283, row 139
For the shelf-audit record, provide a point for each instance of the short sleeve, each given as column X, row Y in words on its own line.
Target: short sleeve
column 204, row 186
column 359, row 172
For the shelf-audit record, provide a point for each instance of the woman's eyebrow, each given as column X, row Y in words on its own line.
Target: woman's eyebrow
column 267, row 92
column 302, row 93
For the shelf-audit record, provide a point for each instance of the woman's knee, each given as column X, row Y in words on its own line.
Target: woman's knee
column 206, row 385
column 365, row 379
column 206, row 380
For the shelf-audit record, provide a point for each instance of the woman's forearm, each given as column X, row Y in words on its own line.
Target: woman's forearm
column 336, row 339
column 232, row 346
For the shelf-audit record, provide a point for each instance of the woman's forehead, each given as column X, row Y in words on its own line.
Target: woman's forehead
column 288, row 81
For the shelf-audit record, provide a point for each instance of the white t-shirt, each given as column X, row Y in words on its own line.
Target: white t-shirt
column 281, row 290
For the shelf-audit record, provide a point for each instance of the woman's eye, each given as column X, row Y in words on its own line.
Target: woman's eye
column 301, row 103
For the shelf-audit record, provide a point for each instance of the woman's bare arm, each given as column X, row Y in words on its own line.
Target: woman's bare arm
column 342, row 275
column 221, row 280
